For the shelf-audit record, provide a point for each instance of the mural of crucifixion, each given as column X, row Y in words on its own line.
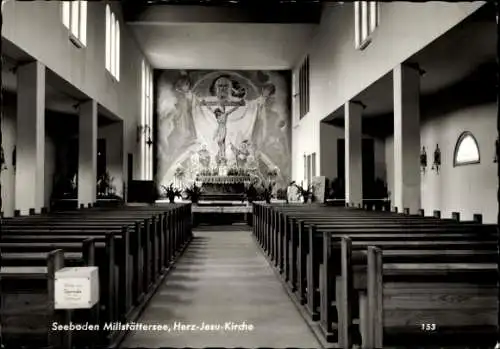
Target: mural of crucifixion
column 221, row 115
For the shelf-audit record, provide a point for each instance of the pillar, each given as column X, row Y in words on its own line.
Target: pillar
column 406, row 138
column 87, row 153
column 353, row 153
column 30, row 139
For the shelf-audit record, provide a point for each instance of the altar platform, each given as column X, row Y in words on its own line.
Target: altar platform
column 219, row 212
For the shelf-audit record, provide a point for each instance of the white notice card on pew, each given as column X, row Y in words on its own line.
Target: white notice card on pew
column 76, row 288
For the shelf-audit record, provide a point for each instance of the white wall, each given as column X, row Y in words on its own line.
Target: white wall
column 338, row 71
column 36, row 27
column 466, row 189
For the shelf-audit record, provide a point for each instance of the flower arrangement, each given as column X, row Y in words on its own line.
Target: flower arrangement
column 193, row 193
column 171, row 193
column 281, row 194
column 104, row 185
column 267, row 190
column 205, row 172
column 251, row 192
column 306, row 193
column 232, row 171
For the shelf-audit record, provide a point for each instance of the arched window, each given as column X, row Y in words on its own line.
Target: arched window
column 466, row 150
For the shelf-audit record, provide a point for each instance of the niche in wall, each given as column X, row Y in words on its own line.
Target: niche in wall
column 466, row 150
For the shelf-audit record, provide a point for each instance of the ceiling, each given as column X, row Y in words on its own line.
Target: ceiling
column 272, row 11
column 223, row 45
column 222, row 34
column 462, row 58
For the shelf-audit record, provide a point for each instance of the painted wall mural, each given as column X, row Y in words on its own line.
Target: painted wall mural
column 212, row 121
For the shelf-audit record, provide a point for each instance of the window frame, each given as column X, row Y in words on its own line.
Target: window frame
column 147, row 131
column 304, row 88
column 459, row 142
column 79, row 39
column 366, row 21
column 112, row 44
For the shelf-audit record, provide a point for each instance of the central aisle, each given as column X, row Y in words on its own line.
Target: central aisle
column 224, row 279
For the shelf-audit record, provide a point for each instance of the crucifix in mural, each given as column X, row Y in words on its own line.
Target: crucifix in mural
column 224, row 92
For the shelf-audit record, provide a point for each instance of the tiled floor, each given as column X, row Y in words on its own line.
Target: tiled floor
column 224, row 280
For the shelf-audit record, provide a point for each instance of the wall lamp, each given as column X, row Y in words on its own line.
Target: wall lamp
column 437, row 159
column 497, row 150
column 146, row 131
column 423, row 160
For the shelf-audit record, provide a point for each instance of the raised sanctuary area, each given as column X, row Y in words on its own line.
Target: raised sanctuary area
column 307, row 174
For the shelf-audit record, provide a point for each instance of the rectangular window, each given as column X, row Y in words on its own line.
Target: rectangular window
column 147, row 132
column 366, row 20
column 74, row 18
column 112, row 44
column 304, row 88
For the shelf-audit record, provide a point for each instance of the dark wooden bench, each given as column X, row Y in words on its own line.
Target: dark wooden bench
column 27, row 297
column 292, row 236
column 441, row 304
column 144, row 242
column 343, row 274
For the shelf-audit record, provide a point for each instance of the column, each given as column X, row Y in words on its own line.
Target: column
column 353, row 153
column 406, row 138
column 124, row 156
column 30, row 140
column 87, row 153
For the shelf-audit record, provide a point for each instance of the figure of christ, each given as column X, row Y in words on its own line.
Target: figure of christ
column 221, row 115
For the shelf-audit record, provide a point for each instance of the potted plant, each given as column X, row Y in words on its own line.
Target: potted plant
column 171, row 193
column 281, row 194
column 306, row 193
column 251, row 192
column 104, row 185
column 267, row 190
column 193, row 193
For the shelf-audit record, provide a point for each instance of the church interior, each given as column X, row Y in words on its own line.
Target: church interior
column 215, row 173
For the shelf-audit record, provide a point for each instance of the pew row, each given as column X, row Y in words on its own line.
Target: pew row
column 296, row 239
column 134, row 247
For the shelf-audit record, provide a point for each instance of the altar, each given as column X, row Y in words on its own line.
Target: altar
column 223, row 188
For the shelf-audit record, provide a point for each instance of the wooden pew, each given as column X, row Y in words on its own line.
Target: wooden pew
column 345, row 274
column 441, row 304
column 169, row 227
column 27, row 303
column 263, row 228
column 157, row 244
